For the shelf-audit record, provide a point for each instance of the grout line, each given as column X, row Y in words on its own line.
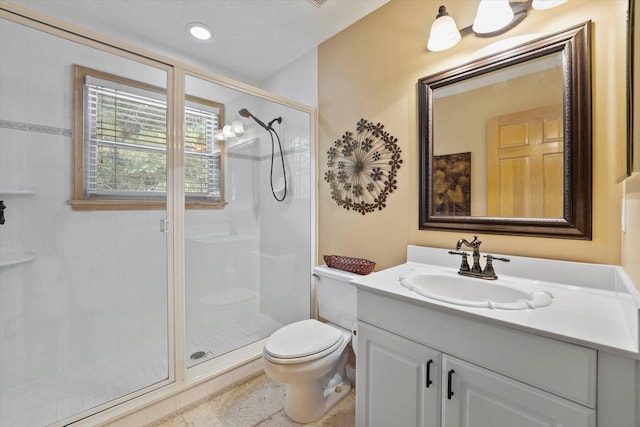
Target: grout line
column 31, row 127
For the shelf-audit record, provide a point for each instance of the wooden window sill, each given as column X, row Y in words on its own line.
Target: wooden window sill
column 139, row 205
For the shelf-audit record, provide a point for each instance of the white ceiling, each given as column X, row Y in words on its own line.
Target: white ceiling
column 253, row 38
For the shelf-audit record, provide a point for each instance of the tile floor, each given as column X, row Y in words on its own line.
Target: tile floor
column 56, row 397
column 257, row 402
column 60, row 396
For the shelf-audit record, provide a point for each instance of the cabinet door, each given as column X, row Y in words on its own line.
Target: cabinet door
column 476, row 397
column 398, row 381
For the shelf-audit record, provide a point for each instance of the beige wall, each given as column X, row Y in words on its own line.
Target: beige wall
column 631, row 236
column 370, row 71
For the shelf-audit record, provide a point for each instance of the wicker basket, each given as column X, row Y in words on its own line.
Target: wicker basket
column 353, row 265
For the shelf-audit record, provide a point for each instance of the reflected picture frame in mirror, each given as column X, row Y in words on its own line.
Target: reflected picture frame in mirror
column 571, row 50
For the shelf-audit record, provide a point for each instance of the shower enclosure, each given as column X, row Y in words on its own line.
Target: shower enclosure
column 107, row 296
column 247, row 263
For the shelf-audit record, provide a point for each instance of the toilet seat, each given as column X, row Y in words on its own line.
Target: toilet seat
column 302, row 341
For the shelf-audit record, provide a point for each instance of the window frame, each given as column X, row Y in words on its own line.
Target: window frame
column 79, row 200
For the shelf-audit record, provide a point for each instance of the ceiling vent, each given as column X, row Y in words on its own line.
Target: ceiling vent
column 317, row 3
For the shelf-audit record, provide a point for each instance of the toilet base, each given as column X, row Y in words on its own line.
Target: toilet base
column 305, row 403
column 312, row 387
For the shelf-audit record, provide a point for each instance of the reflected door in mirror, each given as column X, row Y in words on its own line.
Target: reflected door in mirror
column 525, row 164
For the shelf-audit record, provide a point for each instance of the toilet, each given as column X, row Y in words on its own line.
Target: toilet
column 310, row 356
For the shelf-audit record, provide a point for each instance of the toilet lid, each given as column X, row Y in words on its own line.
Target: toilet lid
column 301, row 339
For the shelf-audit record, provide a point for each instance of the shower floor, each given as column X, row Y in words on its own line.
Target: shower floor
column 58, row 397
column 218, row 341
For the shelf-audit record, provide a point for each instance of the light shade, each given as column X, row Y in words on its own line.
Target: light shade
column 227, row 132
column 444, row 32
column 492, row 16
column 237, row 128
column 546, row 4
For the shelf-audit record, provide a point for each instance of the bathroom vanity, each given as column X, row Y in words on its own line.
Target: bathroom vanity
column 426, row 362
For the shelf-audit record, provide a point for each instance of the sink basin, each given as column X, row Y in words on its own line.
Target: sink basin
column 471, row 292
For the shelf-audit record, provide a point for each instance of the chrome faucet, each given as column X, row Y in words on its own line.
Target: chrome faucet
column 476, row 270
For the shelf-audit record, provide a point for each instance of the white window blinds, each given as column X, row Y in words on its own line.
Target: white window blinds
column 126, row 144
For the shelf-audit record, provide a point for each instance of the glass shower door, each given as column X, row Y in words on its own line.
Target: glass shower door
column 248, row 255
column 83, row 276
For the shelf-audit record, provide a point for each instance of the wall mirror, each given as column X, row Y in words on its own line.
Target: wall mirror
column 505, row 141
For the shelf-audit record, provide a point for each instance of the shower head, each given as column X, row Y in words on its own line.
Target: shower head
column 245, row 113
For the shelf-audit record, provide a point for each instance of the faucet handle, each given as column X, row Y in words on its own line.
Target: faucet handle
column 488, row 268
column 458, row 253
column 464, row 265
column 475, row 243
column 490, row 257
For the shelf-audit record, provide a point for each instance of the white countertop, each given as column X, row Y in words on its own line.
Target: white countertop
column 598, row 315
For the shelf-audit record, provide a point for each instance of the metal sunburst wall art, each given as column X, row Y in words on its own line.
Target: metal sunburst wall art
column 363, row 168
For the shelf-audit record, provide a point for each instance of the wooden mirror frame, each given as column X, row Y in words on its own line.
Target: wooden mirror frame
column 633, row 141
column 575, row 46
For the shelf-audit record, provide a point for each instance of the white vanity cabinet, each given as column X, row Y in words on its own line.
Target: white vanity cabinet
column 501, row 377
column 404, row 383
column 573, row 363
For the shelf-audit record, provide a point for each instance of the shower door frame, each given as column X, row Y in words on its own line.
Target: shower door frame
column 179, row 377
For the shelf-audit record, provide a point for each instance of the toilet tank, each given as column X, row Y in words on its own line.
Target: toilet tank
column 337, row 301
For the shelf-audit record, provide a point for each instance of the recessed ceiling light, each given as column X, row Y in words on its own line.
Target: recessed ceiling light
column 199, row 31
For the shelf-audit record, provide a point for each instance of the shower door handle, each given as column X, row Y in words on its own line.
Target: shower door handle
column 165, row 226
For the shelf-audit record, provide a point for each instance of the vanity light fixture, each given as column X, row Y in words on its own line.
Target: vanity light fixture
column 493, row 17
column 444, row 32
column 199, row 31
column 546, row 4
column 227, row 132
column 237, row 128
column 234, row 130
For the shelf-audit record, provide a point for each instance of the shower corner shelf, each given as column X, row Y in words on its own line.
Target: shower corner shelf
column 15, row 258
column 17, row 191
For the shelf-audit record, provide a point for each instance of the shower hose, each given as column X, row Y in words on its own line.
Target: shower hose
column 272, row 132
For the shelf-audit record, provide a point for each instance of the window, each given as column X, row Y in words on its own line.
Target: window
column 120, row 140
